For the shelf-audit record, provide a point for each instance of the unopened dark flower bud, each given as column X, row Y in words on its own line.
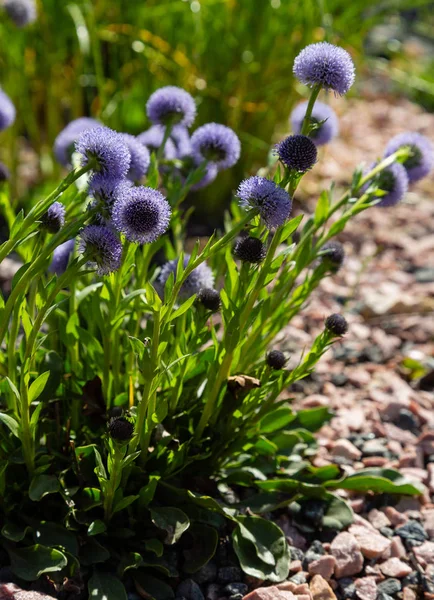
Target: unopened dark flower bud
column 250, row 249
column 336, row 324
column 333, row 253
column 209, row 298
column 297, row 152
column 276, row 359
column 120, row 429
column 54, row 219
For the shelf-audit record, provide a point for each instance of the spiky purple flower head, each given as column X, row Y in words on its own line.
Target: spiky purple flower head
column 420, row 163
column 64, row 144
column 216, row 144
column 325, row 132
column 22, row 12
column 7, row 111
column 297, row 152
column 273, row 202
column 393, row 180
column 326, row 65
column 102, row 246
column 153, row 137
column 181, row 139
column 54, row 219
column 107, row 149
column 171, row 105
column 140, row 157
column 107, row 190
column 4, row 173
column 61, row 256
column 142, row 214
column 201, row 277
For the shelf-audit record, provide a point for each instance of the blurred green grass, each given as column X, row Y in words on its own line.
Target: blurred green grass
column 104, row 58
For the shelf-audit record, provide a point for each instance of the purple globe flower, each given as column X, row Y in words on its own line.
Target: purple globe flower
column 54, row 219
column 273, row 202
column 153, row 137
column 201, row 277
column 22, row 12
column 321, row 112
column 393, row 180
column 216, row 144
column 326, row 65
column 142, row 214
column 7, row 111
column 64, row 142
column 181, row 139
column 297, row 152
column 103, row 248
column 171, row 105
column 107, row 148
column 210, row 175
column 420, row 163
column 61, row 256
column 106, row 190
column 140, row 157
column 4, row 173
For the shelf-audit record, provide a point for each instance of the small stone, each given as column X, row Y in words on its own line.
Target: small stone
column 190, row 590
column 408, row 594
column 407, row 420
column 390, row 586
column 397, row 549
column 320, row 589
column 411, row 579
column 206, row 573
column 10, row 591
column 366, row 588
column 374, row 448
column 393, row 567
column 425, row 554
column 412, row 530
column 235, row 588
column 324, row 566
column 212, row 591
column 270, row 593
column 345, row 449
column 295, row 566
column 348, row 587
column 383, row 596
column 395, row 517
column 387, row 532
column 296, row 553
column 298, row 578
column 229, row 574
column 378, row 519
column 346, row 550
column 372, row 545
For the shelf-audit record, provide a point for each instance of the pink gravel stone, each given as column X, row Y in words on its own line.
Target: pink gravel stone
column 320, row 589
column 270, row 593
column 378, row 519
column 372, row 545
column 10, row 591
column 324, row 566
column 396, row 518
column 345, row 449
column 346, row 550
column 425, row 553
column 408, row 594
column 395, row 568
column 366, row 588
column 295, row 588
column 375, row 461
column 397, row 549
column 426, row 442
column 428, row 517
column 295, row 566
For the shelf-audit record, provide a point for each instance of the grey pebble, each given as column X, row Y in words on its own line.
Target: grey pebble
column 189, row 590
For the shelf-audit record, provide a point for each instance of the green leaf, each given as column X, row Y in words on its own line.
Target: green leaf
column 379, row 481
column 17, row 224
column 91, row 497
column 132, row 560
column 155, row 546
column 13, row 389
column 100, row 468
column 92, row 552
column 15, row 533
column 53, row 534
column 138, row 346
column 338, row 513
column 183, row 308
column 147, row 492
column 261, row 548
column 124, row 502
column 38, row 386
column 172, row 520
column 35, row 418
column 322, row 208
column 31, row 562
column 10, row 422
column 152, row 588
column 103, row 586
column 42, row 485
column 205, row 540
column 277, row 419
column 96, row 527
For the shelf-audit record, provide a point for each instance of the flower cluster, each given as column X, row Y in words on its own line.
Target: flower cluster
column 271, row 201
column 22, row 12
column 199, row 278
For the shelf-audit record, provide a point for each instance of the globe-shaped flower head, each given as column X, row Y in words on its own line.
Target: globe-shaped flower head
column 7, row 111
column 64, row 144
column 421, row 161
column 297, row 152
column 394, row 181
column 22, row 12
column 216, row 144
column 153, row 138
column 106, row 149
column 142, row 214
column 181, row 138
column 106, row 190
column 171, row 105
column 101, row 245
column 326, row 65
column 201, row 277
column 61, row 256
column 323, row 133
column 273, row 202
column 54, row 219
column 140, row 157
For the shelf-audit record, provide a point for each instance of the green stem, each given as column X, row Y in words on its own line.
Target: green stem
column 306, row 121
column 114, row 481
